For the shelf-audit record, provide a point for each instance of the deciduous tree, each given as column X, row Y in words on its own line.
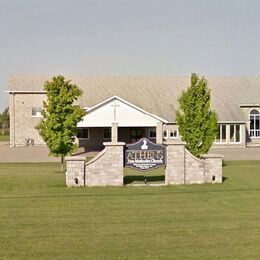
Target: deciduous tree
column 197, row 122
column 60, row 116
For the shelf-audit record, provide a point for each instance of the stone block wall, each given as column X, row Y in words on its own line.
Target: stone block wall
column 213, row 168
column 184, row 168
column 194, row 169
column 175, row 158
column 106, row 169
column 22, row 125
column 75, row 174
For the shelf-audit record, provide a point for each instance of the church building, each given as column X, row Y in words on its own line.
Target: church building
column 136, row 107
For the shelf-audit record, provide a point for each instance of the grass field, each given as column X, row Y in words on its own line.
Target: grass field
column 42, row 219
column 132, row 176
column 4, row 138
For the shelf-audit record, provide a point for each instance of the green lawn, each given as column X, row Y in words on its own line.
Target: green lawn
column 42, row 219
column 132, row 176
column 4, row 138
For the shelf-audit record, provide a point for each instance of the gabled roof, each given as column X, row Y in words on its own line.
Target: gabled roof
column 89, row 110
column 156, row 94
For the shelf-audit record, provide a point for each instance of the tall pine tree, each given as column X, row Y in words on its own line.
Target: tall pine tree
column 197, row 123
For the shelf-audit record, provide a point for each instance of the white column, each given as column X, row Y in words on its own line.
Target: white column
column 159, row 133
column 114, row 133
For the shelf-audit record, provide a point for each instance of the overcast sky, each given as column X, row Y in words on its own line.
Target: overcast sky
column 144, row 37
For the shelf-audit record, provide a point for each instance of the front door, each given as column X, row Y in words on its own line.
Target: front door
column 136, row 134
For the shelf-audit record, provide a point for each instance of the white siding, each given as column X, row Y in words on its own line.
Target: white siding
column 126, row 116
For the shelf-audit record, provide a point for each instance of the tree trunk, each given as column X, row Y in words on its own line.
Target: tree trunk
column 62, row 163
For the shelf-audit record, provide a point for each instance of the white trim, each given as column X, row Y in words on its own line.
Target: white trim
column 220, row 135
column 165, row 130
column 232, row 122
column 174, row 137
column 232, row 142
column 129, row 104
column 254, row 130
column 249, row 105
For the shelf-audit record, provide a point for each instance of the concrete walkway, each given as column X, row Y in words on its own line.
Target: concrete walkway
column 40, row 153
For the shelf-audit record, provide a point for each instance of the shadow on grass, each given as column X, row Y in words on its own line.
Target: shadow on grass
column 224, row 178
column 127, row 195
column 141, row 178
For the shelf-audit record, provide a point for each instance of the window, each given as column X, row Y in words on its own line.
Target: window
column 174, row 134
column 235, row 133
column 83, row 133
column 152, row 133
column 37, row 111
column 107, row 133
column 221, row 134
column 254, row 123
column 165, row 134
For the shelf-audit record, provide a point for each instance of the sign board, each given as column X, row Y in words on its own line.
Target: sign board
column 144, row 155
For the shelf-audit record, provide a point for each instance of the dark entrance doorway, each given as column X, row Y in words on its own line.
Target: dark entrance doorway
column 136, row 134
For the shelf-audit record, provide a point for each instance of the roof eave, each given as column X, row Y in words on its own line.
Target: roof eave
column 24, row 91
column 249, row 105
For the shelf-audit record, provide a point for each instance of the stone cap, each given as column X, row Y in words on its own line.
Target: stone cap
column 75, row 158
column 114, row 143
column 205, row 156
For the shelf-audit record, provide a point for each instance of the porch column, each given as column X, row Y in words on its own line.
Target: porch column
column 243, row 134
column 159, row 133
column 114, row 133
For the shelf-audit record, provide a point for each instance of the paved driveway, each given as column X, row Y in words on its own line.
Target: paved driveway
column 40, row 154
column 234, row 154
column 25, row 154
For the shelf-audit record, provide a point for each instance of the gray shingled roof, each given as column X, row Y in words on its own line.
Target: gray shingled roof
column 156, row 94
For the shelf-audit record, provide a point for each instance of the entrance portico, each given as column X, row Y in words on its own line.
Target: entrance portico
column 118, row 120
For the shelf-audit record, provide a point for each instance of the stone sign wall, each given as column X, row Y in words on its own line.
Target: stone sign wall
column 184, row 168
column 106, row 169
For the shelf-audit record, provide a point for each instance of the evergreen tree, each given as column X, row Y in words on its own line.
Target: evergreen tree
column 60, row 117
column 197, row 123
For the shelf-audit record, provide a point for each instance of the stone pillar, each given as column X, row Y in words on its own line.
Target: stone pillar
column 159, row 133
column 114, row 133
column 213, row 168
column 114, row 171
column 106, row 169
column 175, row 162
column 75, row 174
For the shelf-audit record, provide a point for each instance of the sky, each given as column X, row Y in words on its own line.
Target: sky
column 128, row 37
